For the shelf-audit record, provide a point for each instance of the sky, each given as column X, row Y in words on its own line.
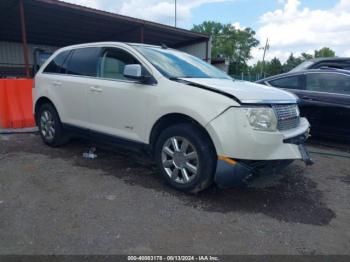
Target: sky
column 292, row 26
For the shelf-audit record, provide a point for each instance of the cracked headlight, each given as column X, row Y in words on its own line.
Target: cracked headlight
column 261, row 118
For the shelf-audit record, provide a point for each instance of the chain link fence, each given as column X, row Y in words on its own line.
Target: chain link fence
column 249, row 77
column 14, row 70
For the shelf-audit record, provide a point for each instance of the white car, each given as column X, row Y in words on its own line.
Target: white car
column 200, row 124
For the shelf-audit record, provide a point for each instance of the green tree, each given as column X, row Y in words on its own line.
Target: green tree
column 306, row 56
column 213, row 29
column 230, row 43
column 256, row 68
column 292, row 62
column 274, row 67
column 324, row 52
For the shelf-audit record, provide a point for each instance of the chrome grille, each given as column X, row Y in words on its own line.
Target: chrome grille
column 287, row 116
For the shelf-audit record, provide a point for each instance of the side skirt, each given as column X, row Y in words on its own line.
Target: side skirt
column 105, row 139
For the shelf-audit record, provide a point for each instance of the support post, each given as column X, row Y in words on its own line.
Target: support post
column 175, row 13
column 263, row 61
column 24, row 38
column 142, row 34
column 207, row 51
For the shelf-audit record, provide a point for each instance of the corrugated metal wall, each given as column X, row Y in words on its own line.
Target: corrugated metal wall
column 198, row 50
column 12, row 53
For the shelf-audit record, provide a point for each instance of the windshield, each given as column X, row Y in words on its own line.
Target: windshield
column 302, row 66
column 176, row 64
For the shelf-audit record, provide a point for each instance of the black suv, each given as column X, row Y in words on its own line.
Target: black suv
column 317, row 63
column 324, row 98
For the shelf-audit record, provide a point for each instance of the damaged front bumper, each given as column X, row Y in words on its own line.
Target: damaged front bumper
column 231, row 173
column 241, row 172
column 300, row 142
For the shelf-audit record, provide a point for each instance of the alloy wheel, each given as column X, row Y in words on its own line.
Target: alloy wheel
column 180, row 160
column 47, row 125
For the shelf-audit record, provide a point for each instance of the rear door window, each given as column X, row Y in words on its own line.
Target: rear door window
column 56, row 65
column 291, row 82
column 328, row 82
column 83, row 62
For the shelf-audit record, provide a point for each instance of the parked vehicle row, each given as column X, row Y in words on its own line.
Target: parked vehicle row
column 201, row 125
column 324, row 98
column 317, row 63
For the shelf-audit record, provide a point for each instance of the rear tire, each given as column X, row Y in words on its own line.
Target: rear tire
column 186, row 158
column 50, row 126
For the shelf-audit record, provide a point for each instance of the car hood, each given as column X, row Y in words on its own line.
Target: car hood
column 245, row 92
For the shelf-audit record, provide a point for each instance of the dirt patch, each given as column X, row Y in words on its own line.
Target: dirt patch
column 294, row 199
column 346, row 179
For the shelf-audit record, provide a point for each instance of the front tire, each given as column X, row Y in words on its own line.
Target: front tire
column 50, row 126
column 186, row 158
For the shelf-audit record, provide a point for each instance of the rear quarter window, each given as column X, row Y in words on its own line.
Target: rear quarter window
column 291, row 82
column 56, row 64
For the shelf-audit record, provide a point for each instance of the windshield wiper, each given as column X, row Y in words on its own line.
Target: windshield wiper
column 177, row 79
column 181, row 77
column 174, row 78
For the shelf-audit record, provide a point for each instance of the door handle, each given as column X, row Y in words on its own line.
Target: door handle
column 57, row 83
column 95, row 89
column 307, row 98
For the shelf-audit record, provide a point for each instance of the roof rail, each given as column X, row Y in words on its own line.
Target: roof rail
column 328, row 68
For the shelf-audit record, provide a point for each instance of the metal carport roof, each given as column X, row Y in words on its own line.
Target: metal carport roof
column 57, row 23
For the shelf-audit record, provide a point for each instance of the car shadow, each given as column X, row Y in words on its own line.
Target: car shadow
column 294, row 198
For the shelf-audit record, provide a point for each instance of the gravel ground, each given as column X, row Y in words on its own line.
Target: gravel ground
column 53, row 201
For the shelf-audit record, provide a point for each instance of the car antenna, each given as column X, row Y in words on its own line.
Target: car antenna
column 164, row 46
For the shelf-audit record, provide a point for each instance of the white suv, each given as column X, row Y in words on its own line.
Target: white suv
column 200, row 124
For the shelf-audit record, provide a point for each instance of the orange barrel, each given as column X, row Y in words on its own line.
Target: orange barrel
column 25, row 88
column 4, row 118
column 16, row 109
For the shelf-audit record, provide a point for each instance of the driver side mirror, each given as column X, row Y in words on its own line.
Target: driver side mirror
column 134, row 71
